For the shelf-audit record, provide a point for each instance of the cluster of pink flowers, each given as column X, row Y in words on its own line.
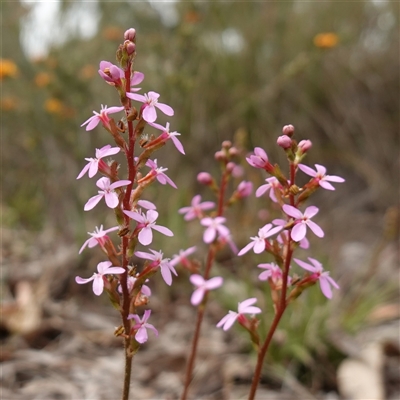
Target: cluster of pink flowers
column 124, row 195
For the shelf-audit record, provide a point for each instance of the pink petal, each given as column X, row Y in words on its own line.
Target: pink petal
column 115, row 109
column 214, row 283
column 262, row 189
column 119, row 184
column 136, row 97
column 137, row 78
column 246, row 303
column 94, row 121
column 102, row 266
column 298, row 232
column 311, row 211
column 98, row 285
column 166, row 275
column 84, row 170
column 167, row 110
column 196, row 280
column 304, row 265
column 114, row 270
column 177, row 144
column 259, row 246
column 326, row 185
column 292, row 211
column 334, row 178
column 197, row 296
column 228, row 320
column 315, row 228
column 252, row 310
column 106, row 152
column 164, row 230
column 246, row 248
column 321, row 170
column 149, row 114
column 82, row 281
column 209, row 234
column 111, row 199
column 141, row 335
column 85, row 244
column 325, row 287
column 93, row 168
column 145, row 236
column 307, row 170
column 92, row 202
column 331, row 281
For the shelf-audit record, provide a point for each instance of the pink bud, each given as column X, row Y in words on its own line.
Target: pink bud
column 304, row 146
column 130, row 34
column 220, row 155
column 226, row 144
column 284, row 141
column 230, row 166
column 130, row 47
column 288, row 130
column 204, row 178
column 233, row 151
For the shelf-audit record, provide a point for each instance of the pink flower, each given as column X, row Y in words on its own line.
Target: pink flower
column 141, row 326
column 169, row 135
column 203, row 286
column 320, row 176
column 196, row 209
column 283, row 236
column 214, row 226
column 111, row 73
column 93, row 165
column 325, row 281
column 159, row 173
column 146, row 223
column 101, row 117
column 158, row 261
column 107, row 192
column 103, row 268
column 244, row 189
column 272, row 272
column 258, row 242
column 259, row 159
column 150, row 101
column 97, row 237
column 145, row 290
column 182, row 256
column 272, row 185
column 302, row 221
column 244, row 307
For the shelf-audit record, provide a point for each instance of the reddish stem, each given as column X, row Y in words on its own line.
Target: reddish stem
column 202, row 307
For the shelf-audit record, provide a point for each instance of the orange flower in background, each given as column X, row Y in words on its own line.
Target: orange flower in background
column 8, row 103
column 326, row 40
column 112, row 33
column 54, row 106
column 42, row 79
column 88, row 71
column 8, row 68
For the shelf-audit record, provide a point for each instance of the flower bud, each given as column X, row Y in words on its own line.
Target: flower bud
column 130, row 47
column 220, row 155
column 288, row 130
column 226, row 144
column 204, row 178
column 130, row 34
column 244, row 189
column 304, row 146
column 284, row 141
column 233, row 152
column 230, row 166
